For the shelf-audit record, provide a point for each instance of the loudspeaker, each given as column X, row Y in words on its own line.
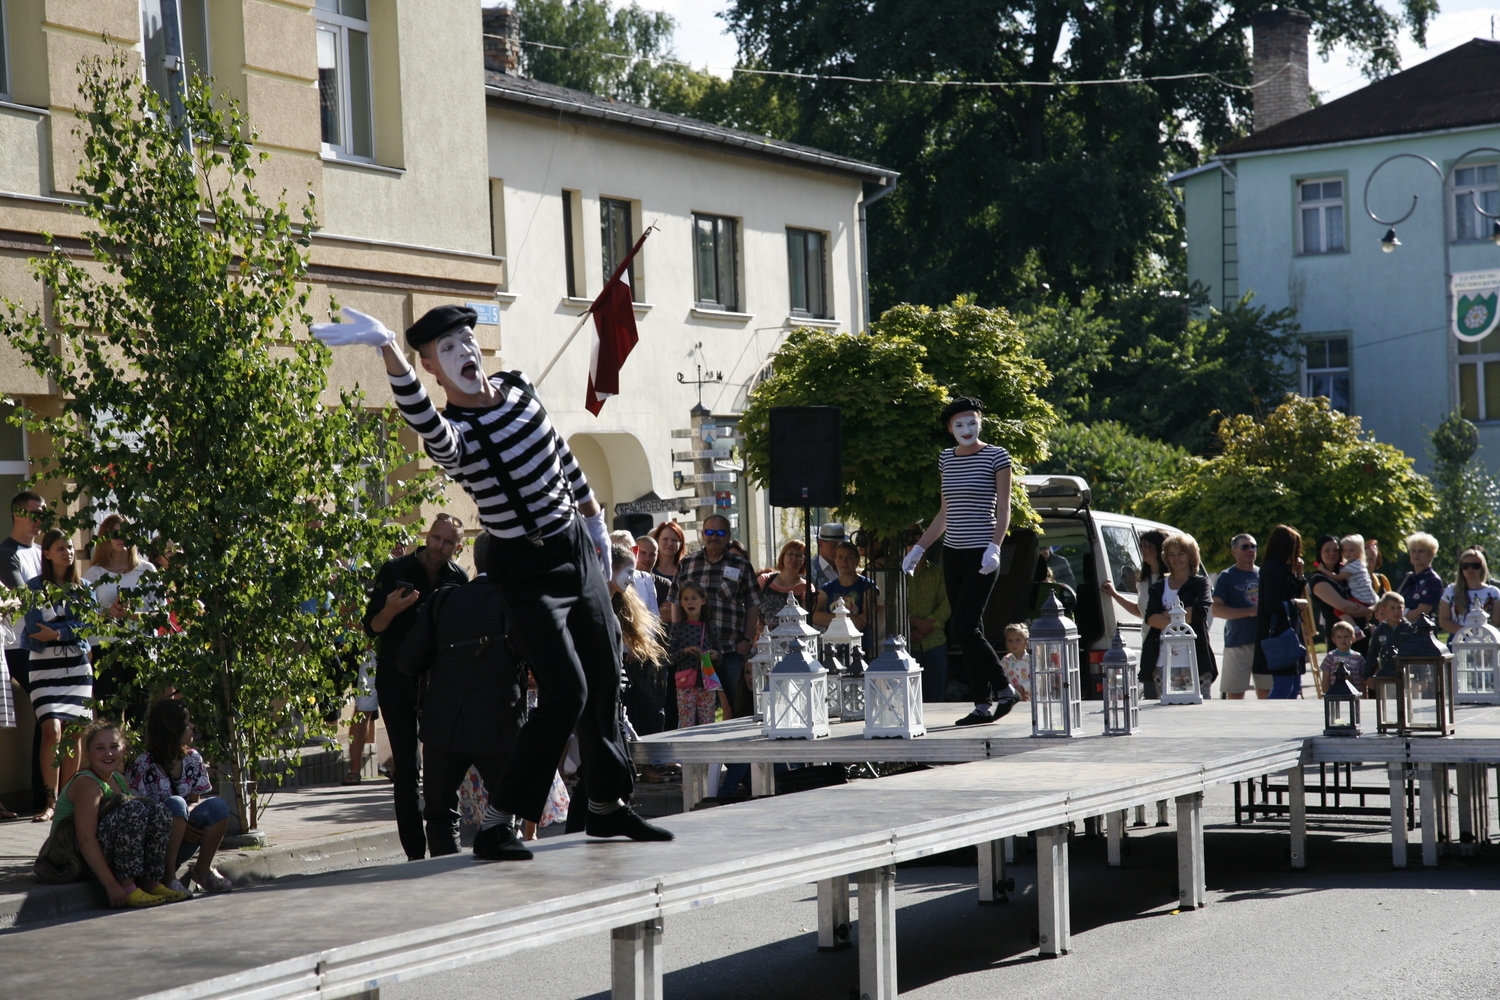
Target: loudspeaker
column 807, row 466
column 636, row 524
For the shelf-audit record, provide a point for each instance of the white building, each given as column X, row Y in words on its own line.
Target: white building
column 754, row 237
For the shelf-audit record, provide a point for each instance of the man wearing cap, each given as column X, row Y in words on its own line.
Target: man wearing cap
column 823, row 571
column 548, row 560
column 973, row 520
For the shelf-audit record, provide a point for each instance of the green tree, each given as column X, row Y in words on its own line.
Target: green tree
column 892, row 385
column 1120, row 467
column 196, row 406
column 625, row 54
column 1305, row 465
column 1468, row 497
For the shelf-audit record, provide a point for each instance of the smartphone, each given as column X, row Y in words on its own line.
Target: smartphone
column 404, row 587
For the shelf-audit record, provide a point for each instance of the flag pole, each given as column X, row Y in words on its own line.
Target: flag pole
column 587, row 312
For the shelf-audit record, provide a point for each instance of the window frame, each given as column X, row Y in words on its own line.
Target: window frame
column 629, row 208
column 341, row 25
column 1308, row 371
column 732, row 245
column 1322, row 204
column 189, row 59
column 825, row 310
column 1482, row 232
column 4, row 53
column 1478, row 361
column 17, row 467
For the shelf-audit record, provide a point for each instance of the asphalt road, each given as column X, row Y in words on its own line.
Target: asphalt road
column 1346, row 927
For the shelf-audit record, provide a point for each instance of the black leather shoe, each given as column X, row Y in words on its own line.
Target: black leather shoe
column 1003, row 707
column 500, row 843
column 975, row 718
column 623, row 822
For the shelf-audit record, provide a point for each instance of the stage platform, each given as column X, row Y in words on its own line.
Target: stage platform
column 349, row 934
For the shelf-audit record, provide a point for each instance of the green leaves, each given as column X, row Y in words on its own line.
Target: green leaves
column 1468, row 509
column 1120, row 467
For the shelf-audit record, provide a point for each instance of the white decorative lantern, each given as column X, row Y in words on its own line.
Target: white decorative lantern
column 760, row 669
column 842, row 641
column 1476, row 655
column 791, row 623
column 1122, row 689
column 1056, row 692
column 1179, row 660
column 797, row 703
column 893, row 693
column 835, row 671
column 852, row 688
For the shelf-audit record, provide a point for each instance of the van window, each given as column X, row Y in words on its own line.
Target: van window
column 1123, row 556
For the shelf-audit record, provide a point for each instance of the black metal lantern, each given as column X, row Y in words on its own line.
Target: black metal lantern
column 1341, row 705
column 1414, row 694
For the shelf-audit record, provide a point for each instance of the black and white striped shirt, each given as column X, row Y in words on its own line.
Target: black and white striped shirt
column 544, row 471
column 969, row 495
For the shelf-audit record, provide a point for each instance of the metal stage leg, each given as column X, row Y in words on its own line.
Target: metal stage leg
column 1466, row 810
column 1161, row 813
column 833, row 914
column 1427, row 775
column 994, row 886
column 762, row 780
column 1140, row 816
column 1397, row 774
column 694, row 785
column 1115, row 826
column 1010, row 850
column 636, row 961
column 1191, row 882
column 1053, row 918
column 1297, row 794
column 877, row 933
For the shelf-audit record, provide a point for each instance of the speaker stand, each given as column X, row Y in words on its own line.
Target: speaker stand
column 810, row 559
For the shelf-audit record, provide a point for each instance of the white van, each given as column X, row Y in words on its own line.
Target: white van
column 1082, row 548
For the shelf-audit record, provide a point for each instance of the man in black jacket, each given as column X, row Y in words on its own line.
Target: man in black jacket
column 401, row 588
column 473, row 708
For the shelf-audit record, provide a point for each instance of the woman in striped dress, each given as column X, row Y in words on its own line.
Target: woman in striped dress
column 62, row 682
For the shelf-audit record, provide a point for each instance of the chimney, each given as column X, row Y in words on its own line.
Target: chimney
column 502, row 41
column 1280, row 65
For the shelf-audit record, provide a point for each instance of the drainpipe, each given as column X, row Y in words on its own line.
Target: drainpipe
column 887, row 185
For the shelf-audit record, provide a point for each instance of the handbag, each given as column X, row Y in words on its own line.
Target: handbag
column 60, row 860
column 1284, row 651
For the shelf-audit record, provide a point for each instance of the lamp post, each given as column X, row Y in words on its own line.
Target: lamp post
column 1389, row 242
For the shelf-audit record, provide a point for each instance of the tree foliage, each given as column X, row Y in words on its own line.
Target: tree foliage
column 1120, row 467
column 892, row 385
column 1468, row 497
column 195, row 405
column 1305, row 465
column 625, row 54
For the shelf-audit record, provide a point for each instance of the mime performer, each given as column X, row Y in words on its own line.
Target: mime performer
column 548, row 560
column 973, row 520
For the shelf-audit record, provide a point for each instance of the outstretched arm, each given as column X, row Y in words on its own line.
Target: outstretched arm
column 933, row 533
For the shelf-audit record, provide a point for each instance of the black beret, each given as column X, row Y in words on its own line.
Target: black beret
column 963, row 404
column 439, row 322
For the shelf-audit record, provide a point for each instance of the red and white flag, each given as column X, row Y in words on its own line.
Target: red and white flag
column 614, row 332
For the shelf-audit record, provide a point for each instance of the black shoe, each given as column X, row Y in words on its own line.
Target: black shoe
column 1003, row 707
column 500, row 843
column 623, row 822
column 975, row 718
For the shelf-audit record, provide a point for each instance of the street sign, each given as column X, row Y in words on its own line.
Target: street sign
column 489, row 313
column 663, row 506
column 723, row 498
column 693, row 456
column 706, row 477
column 684, row 433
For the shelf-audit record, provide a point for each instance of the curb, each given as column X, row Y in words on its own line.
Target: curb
column 36, row 903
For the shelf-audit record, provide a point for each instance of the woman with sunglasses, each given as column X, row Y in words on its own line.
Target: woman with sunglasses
column 1471, row 590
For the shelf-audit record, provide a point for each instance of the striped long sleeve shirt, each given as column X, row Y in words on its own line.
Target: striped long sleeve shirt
column 544, row 472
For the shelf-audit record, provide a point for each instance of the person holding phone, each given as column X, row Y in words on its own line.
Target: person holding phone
column 401, row 588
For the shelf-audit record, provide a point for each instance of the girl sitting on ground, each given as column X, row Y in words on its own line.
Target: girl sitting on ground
column 123, row 838
column 172, row 774
column 1017, row 660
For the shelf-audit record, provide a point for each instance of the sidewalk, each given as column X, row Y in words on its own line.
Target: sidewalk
column 311, row 830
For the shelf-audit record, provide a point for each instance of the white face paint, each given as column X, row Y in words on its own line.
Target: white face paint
column 624, row 578
column 965, row 428
column 458, row 356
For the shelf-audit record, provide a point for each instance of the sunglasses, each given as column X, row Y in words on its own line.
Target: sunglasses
column 714, row 532
column 1469, row 566
column 1249, row 547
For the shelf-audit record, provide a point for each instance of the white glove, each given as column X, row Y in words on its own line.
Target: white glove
column 357, row 328
column 599, row 532
column 990, row 561
column 913, row 560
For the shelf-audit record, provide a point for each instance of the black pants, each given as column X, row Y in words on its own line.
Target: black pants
column 968, row 594
column 442, row 773
column 398, row 707
column 561, row 622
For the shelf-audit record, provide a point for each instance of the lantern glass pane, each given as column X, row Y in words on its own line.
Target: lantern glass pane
column 1421, row 694
column 1386, row 701
column 885, row 712
column 1179, row 669
column 1337, row 712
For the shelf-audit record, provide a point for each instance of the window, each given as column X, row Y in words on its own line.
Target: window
column 13, row 466
column 1124, row 556
column 1479, row 378
column 572, row 206
column 807, row 268
column 4, row 56
column 157, row 53
column 1327, row 371
column 344, row 78
column 618, row 236
column 715, row 262
column 1321, row 209
column 497, row 226
column 1475, row 188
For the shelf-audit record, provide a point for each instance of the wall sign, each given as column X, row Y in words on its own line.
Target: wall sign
column 1476, row 295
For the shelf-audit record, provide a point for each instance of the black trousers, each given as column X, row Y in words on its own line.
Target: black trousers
column 398, row 708
column 968, row 594
column 557, row 602
column 442, row 773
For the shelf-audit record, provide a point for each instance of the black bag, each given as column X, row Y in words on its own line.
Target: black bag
column 1284, row 651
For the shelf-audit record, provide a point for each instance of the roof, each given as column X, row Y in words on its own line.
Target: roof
column 1183, row 175
column 1457, row 89
column 502, row 88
